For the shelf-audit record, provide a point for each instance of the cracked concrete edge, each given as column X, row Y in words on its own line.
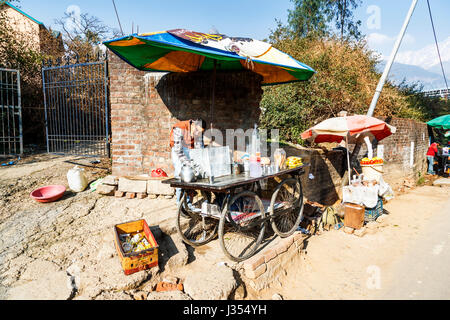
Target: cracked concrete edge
column 269, row 254
column 274, row 268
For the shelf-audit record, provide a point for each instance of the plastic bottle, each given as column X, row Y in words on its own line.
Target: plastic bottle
column 255, row 167
column 256, row 143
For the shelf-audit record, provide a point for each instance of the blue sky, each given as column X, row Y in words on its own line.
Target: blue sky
column 382, row 20
column 253, row 18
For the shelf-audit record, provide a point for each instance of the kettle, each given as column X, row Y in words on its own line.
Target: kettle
column 188, row 174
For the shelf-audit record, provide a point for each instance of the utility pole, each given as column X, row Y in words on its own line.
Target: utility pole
column 118, row 19
column 388, row 67
column 383, row 78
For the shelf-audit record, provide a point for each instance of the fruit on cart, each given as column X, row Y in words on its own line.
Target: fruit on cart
column 373, row 161
column 294, row 162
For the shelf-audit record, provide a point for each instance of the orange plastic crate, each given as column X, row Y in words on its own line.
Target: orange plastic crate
column 135, row 262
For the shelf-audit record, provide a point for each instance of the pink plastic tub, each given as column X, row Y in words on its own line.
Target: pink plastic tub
column 48, row 194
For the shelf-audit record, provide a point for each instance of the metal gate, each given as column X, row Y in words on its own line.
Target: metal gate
column 76, row 109
column 11, row 138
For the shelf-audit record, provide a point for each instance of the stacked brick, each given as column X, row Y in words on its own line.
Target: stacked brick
column 132, row 189
column 263, row 268
column 108, row 187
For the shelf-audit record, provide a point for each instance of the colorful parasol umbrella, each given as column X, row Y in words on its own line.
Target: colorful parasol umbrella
column 181, row 50
column 338, row 129
column 351, row 129
column 441, row 122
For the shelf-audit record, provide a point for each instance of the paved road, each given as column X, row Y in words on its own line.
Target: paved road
column 423, row 273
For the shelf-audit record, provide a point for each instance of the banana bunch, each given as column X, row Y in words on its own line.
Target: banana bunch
column 294, row 162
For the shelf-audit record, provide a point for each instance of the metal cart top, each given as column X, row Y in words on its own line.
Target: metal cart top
column 223, row 184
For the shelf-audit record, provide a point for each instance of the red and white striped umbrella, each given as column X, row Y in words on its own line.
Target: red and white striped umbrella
column 349, row 128
column 338, row 129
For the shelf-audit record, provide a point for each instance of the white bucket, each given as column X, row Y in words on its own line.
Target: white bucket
column 77, row 179
column 372, row 171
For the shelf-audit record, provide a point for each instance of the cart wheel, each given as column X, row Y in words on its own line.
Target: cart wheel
column 286, row 208
column 195, row 229
column 242, row 226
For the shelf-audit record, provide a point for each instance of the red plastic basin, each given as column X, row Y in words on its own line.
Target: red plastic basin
column 48, row 194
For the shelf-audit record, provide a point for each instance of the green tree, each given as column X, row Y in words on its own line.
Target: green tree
column 345, row 81
column 346, row 76
column 309, row 18
column 82, row 35
column 315, row 18
column 431, row 107
column 345, row 21
column 281, row 33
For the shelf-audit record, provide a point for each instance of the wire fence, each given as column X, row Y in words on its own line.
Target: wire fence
column 76, row 109
column 11, row 134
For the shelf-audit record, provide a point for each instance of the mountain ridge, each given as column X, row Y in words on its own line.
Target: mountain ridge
column 430, row 79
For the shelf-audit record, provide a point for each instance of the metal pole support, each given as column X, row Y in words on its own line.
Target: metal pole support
column 391, row 60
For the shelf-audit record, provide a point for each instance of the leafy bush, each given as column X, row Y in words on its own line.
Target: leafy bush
column 346, row 80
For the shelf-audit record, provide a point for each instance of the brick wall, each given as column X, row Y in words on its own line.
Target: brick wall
column 145, row 106
column 327, row 169
column 398, row 149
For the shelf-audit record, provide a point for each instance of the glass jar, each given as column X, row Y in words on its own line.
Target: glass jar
column 255, row 169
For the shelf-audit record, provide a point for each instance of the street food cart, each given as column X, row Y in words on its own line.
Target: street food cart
column 231, row 205
column 241, row 214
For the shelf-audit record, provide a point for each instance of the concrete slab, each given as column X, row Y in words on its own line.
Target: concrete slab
column 157, row 187
column 444, row 182
column 132, row 186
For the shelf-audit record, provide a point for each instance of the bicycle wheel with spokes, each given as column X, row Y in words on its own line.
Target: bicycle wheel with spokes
column 195, row 228
column 286, row 207
column 242, row 226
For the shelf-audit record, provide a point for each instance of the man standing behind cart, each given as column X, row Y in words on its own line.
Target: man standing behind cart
column 184, row 136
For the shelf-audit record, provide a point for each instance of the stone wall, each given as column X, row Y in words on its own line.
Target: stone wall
column 145, row 106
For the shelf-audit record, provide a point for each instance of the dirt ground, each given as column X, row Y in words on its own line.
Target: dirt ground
column 68, row 240
column 380, row 264
column 65, row 250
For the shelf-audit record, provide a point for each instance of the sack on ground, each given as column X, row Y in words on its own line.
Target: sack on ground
column 77, row 179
